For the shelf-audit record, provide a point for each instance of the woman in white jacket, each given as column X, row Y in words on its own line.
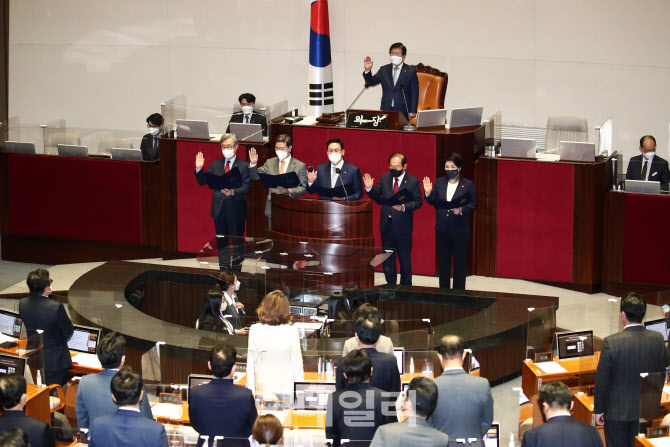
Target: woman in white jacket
column 274, row 360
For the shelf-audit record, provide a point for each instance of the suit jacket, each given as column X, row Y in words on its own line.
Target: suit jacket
column 349, row 175
column 40, row 312
column 411, row 432
column 658, row 170
column 401, row 222
column 126, row 428
column 147, row 148
column 271, row 167
column 562, row 431
column 385, row 374
column 409, row 81
column 94, row 398
column 624, row 356
column 256, row 118
column 39, row 433
column 448, row 221
column 343, row 423
column 464, row 405
column 221, row 408
column 236, row 205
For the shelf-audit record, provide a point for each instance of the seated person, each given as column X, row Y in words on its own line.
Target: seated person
column 94, row 398
column 384, row 344
column 335, row 173
column 385, row 374
column 338, row 310
column 13, row 396
column 221, row 311
column 345, row 407
column 354, row 296
column 127, row 427
column 221, row 408
column 648, row 166
column 149, row 144
column 268, row 431
column 247, row 115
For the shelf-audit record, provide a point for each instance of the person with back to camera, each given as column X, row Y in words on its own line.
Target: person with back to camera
column 268, row 431
column 274, row 359
column 454, row 199
column 384, row 345
column 354, row 296
column 221, row 311
column 343, row 321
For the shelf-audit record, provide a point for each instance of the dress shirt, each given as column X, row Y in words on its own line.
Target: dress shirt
column 452, row 368
column 451, row 190
column 129, row 408
column 247, row 118
column 333, row 175
column 559, row 415
column 287, row 161
column 644, row 160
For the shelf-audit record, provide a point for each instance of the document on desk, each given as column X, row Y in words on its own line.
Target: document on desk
column 551, row 367
column 660, row 442
column 87, row 360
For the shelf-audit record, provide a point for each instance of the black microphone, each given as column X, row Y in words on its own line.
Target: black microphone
column 408, row 126
column 337, row 171
column 343, row 123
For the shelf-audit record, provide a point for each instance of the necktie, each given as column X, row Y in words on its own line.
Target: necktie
column 395, row 187
column 644, row 171
column 155, row 142
column 282, row 167
column 227, row 168
column 246, row 117
column 395, row 75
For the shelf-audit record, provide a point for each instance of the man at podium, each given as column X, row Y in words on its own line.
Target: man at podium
column 337, row 179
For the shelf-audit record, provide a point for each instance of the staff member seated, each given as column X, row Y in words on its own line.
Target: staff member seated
column 648, row 166
column 336, row 173
column 150, row 141
column 247, row 115
column 221, row 311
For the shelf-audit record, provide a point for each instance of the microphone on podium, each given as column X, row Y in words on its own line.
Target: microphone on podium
column 343, row 123
column 408, row 126
column 337, row 171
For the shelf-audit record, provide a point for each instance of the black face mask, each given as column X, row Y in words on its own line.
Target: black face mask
column 396, row 172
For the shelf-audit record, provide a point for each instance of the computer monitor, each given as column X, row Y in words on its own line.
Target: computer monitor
column 577, row 151
column 312, row 395
column 470, row 116
column 659, row 326
column 195, row 380
column 195, row 129
column 492, row 436
column 10, row 324
column 247, row 133
column 606, row 137
column 575, row 344
column 431, row 118
column 72, row 150
column 20, row 147
column 399, row 354
column 643, row 186
column 119, row 153
column 12, row 364
column 84, row 339
column 518, row 147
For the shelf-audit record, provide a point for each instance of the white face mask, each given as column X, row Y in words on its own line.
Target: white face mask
column 281, row 155
column 396, row 60
column 648, row 155
column 237, row 285
column 247, row 110
column 228, row 153
column 154, row 130
column 335, row 158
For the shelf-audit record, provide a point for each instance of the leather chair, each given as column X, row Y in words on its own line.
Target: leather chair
column 432, row 87
column 565, row 127
column 55, row 138
column 106, row 144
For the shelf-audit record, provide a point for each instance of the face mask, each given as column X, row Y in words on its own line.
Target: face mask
column 237, row 285
column 281, row 155
column 396, row 60
column 228, row 153
column 452, row 174
column 247, row 110
column 648, row 155
column 335, row 158
column 154, row 130
column 396, row 172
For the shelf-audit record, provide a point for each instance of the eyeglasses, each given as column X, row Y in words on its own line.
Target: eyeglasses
column 227, row 147
column 51, row 281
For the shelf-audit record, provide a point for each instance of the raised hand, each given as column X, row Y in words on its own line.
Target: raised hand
column 199, row 161
column 311, row 176
column 427, row 185
column 253, row 156
column 368, row 181
column 367, row 63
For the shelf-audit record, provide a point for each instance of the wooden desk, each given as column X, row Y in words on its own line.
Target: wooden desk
column 642, row 441
column 37, row 405
column 532, row 377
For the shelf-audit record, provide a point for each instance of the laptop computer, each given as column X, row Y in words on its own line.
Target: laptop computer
column 195, row 380
column 12, row 364
column 470, row 116
column 577, row 151
column 659, row 326
column 71, row 150
column 431, row 118
column 119, row 153
column 10, row 325
column 312, row 396
column 574, row 344
column 195, row 129
column 642, row 186
column 19, row 147
column 247, row 133
column 83, row 343
column 518, row 147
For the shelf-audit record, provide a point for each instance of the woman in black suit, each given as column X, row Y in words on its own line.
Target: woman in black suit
column 454, row 199
column 220, row 303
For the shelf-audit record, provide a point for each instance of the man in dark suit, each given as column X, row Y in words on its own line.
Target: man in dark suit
column 624, row 356
column 648, row 166
column 221, row 408
column 355, row 412
column 560, row 428
column 418, row 405
column 14, row 396
column 247, row 115
column 127, row 427
column 336, row 173
column 385, row 374
column 229, row 206
column 396, row 78
column 39, row 312
column 94, row 398
column 396, row 222
column 149, row 144
column 465, row 403
column 283, row 163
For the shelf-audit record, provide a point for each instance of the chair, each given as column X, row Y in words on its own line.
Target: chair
column 70, row 410
column 565, row 128
column 106, row 144
column 54, row 139
column 432, row 87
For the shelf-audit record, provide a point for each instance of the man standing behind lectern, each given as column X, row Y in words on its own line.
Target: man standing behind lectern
column 399, row 82
column 336, row 173
column 396, row 222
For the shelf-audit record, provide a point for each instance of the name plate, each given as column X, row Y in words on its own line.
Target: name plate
column 367, row 120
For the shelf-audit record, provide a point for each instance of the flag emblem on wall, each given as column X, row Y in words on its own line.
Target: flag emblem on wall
column 320, row 64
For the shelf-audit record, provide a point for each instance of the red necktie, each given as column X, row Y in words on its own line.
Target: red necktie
column 227, row 168
column 395, row 186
